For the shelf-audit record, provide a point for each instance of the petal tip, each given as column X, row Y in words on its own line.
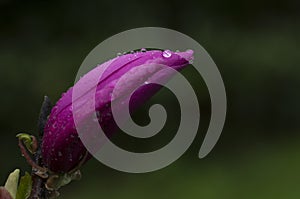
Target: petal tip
column 187, row 55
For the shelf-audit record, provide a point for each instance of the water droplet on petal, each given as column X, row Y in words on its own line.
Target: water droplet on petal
column 54, row 125
column 143, row 50
column 119, row 54
column 167, row 54
column 146, row 82
column 98, row 114
column 132, row 52
column 54, row 110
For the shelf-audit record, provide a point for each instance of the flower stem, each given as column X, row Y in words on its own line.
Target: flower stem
column 39, row 190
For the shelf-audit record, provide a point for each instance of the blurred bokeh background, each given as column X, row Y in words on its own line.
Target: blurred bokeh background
column 256, row 47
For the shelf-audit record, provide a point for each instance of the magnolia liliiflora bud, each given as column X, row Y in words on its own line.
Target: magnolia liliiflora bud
column 62, row 148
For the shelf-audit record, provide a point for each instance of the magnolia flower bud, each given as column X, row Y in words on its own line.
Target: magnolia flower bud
column 62, row 149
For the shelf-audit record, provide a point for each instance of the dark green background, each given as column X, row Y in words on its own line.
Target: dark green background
column 256, row 47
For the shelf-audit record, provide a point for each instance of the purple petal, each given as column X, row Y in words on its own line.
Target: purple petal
column 62, row 149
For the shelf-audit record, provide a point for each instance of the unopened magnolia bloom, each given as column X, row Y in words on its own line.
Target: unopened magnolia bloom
column 62, row 149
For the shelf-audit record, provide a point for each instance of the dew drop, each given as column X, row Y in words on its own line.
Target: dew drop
column 146, row 82
column 98, row 114
column 119, row 54
column 143, row 50
column 132, row 52
column 54, row 125
column 167, row 54
column 54, row 110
